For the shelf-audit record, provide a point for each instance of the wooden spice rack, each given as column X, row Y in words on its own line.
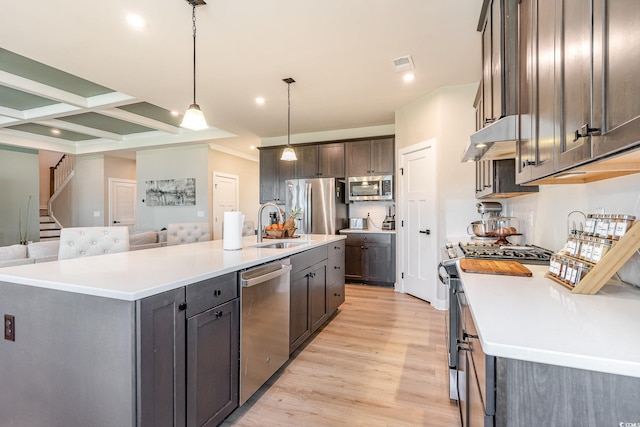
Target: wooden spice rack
column 610, row 263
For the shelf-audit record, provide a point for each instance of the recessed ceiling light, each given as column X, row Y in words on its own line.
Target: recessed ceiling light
column 135, row 21
column 55, row 131
column 175, row 113
column 252, row 147
column 260, row 100
column 409, row 77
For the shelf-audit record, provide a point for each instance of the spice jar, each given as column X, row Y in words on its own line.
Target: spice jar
column 613, row 222
column 600, row 248
column 571, row 245
column 602, row 226
column 590, row 224
column 623, row 225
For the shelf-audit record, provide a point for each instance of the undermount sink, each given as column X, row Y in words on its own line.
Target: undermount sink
column 280, row 245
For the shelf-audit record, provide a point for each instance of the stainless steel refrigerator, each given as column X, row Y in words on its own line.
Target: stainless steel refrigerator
column 321, row 202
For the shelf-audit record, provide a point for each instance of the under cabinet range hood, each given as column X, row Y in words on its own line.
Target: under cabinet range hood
column 493, row 142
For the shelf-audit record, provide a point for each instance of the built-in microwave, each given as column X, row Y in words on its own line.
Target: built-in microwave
column 367, row 188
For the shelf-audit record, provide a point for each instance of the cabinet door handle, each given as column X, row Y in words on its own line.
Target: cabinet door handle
column 217, row 293
column 336, row 267
column 218, row 314
column 425, row 231
column 585, row 131
column 488, row 120
column 182, row 307
column 336, row 295
column 361, row 247
column 466, row 335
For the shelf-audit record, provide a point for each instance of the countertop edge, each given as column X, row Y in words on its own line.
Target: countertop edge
column 558, row 347
column 36, row 274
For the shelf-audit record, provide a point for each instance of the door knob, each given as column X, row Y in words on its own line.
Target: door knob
column 425, row 231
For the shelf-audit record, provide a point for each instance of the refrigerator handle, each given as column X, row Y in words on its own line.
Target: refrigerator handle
column 307, row 214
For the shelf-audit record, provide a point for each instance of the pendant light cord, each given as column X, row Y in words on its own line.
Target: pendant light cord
column 288, row 113
column 193, row 18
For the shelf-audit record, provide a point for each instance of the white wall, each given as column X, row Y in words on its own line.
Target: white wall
column 18, row 181
column 87, row 191
column 249, row 181
column 446, row 115
column 551, row 206
column 173, row 163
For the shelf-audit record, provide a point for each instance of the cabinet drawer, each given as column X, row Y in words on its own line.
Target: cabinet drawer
column 382, row 238
column 335, row 269
column 335, row 248
column 308, row 258
column 209, row 293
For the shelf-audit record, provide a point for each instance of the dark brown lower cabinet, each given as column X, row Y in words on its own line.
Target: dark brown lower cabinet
column 371, row 258
column 212, row 365
column 308, row 303
column 317, row 289
column 161, row 330
column 188, row 354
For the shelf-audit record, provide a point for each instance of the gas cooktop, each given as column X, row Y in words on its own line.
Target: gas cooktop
column 526, row 254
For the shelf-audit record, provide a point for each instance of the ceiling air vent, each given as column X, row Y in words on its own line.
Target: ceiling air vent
column 403, row 63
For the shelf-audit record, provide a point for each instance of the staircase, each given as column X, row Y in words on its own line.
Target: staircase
column 49, row 230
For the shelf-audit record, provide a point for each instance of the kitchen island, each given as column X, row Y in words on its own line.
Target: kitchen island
column 101, row 340
column 547, row 356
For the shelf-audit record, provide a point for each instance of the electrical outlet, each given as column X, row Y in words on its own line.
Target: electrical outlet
column 9, row 327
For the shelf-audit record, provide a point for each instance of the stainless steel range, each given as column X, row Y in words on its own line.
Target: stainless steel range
column 527, row 254
column 449, row 276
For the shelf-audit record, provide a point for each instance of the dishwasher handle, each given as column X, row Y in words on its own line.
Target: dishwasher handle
column 246, row 283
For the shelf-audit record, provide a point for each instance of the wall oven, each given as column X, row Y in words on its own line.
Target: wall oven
column 368, row 188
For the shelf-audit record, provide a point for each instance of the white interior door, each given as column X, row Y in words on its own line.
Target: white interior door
column 122, row 202
column 419, row 215
column 225, row 199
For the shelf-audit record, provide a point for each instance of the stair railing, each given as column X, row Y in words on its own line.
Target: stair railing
column 59, row 177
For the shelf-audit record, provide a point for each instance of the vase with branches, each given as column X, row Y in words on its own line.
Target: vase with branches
column 24, row 230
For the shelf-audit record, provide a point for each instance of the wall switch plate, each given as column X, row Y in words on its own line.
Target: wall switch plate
column 96, row 213
column 9, row 327
column 200, row 214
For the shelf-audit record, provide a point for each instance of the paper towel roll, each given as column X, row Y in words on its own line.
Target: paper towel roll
column 232, row 231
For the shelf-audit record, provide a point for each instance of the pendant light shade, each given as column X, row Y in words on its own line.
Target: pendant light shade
column 194, row 117
column 288, row 154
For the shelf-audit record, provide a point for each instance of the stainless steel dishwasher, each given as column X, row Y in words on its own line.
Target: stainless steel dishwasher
column 264, row 324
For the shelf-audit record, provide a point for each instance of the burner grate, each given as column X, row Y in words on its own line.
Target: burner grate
column 526, row 254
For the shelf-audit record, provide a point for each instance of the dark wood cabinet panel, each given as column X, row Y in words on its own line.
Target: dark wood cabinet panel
column 307, row 164
column 358, row 156
column 335, row 281
column 616, row 101
column 299, row 323
column 213, row 364
column 370, row 157
column 370, row 257
column 318, row 296
column 161, row 360
column 331, row 160
column 273, row 173
column 574, row 72
column 354, row 258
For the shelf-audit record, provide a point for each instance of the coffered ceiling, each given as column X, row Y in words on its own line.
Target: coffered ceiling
column 75, row 77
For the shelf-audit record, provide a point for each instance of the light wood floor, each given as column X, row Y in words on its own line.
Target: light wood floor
column 381, row 361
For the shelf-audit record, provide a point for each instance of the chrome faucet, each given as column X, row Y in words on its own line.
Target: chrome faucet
column 260, row 230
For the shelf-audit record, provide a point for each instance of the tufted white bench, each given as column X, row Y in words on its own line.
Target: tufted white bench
column 89, row 241
column 192, row 232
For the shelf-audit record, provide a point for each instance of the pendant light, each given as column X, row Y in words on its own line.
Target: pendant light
column 288, row 154
column 194, row 118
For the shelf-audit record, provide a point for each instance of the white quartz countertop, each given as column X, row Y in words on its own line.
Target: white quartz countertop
column 366, row 231
column 538, row 320
column 138, row 274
